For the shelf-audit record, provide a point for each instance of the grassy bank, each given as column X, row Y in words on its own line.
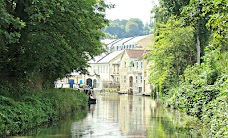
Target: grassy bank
column 35, row 108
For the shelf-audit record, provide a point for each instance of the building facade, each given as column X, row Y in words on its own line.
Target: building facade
column 103, row 73
column 122, row 67
column 133, row 71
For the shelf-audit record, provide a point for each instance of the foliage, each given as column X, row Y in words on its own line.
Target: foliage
column 116, row 29
column 37, row 108
column 199, row 90
column 217, row 22
column 203, row 93
column 171, row 54
column 126, row 28
column 134, row 27
column 174, row 7
column 44, row 40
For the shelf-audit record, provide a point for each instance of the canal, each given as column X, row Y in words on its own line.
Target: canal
column 120, row 115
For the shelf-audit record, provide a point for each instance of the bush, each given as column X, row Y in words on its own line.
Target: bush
column 203, row 93
column 36, row 108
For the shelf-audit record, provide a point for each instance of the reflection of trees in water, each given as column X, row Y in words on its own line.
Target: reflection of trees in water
column 58, row 127
column 167, row 123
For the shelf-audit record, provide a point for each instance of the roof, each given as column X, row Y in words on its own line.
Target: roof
column 135, row 39
column 113, row 42
column 122, row 41
column 109, row 57
column 108, row 41
column 136, row 53
column 117, row 61
column 97, row 58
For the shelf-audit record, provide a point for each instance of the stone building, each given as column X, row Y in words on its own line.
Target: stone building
column 103, row 72
column 122, row 67
column 133, row 71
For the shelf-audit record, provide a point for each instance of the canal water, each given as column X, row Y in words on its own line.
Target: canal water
column 119, row 116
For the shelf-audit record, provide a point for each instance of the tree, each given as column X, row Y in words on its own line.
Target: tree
column 116, row 28
column 146, row 29
column 193, row 16
column 44, row 40
column 125, row 28
column 134, row 27
column 174, row 7
column 217, row 22
column 172, row 53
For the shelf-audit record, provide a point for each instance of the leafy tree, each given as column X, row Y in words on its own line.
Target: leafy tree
column 146, row 29
column 44, row 40
column 174, row 7
column 134, row 27
column 171, row 54
column 126, row 28
column 217, row 22
column 116, row 28
column 193, row 16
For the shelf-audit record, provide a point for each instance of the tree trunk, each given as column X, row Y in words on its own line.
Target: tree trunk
column 198, row 43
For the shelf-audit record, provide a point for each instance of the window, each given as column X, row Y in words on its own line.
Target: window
column 118, row 69
column 141, row 64
column 125, row 64
column 136, row 79
column 117, row 48
column 137, row 65
column 141, row 79
column 125, row 79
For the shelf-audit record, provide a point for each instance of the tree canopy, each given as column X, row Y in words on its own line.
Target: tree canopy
column 41, row 41
column 126, row 28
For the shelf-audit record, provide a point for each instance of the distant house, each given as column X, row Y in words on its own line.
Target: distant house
column 139, row 42
column 101, row 72
column 133, row 71
column 120, row 44
column 128, row 43
column 122, row 66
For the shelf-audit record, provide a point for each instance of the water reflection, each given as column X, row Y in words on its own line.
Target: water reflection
column 121, row 116
column 129, row 116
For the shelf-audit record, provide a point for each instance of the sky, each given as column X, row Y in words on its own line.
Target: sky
column 126, row 9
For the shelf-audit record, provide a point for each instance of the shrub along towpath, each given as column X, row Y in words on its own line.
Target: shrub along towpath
column 37, row 108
